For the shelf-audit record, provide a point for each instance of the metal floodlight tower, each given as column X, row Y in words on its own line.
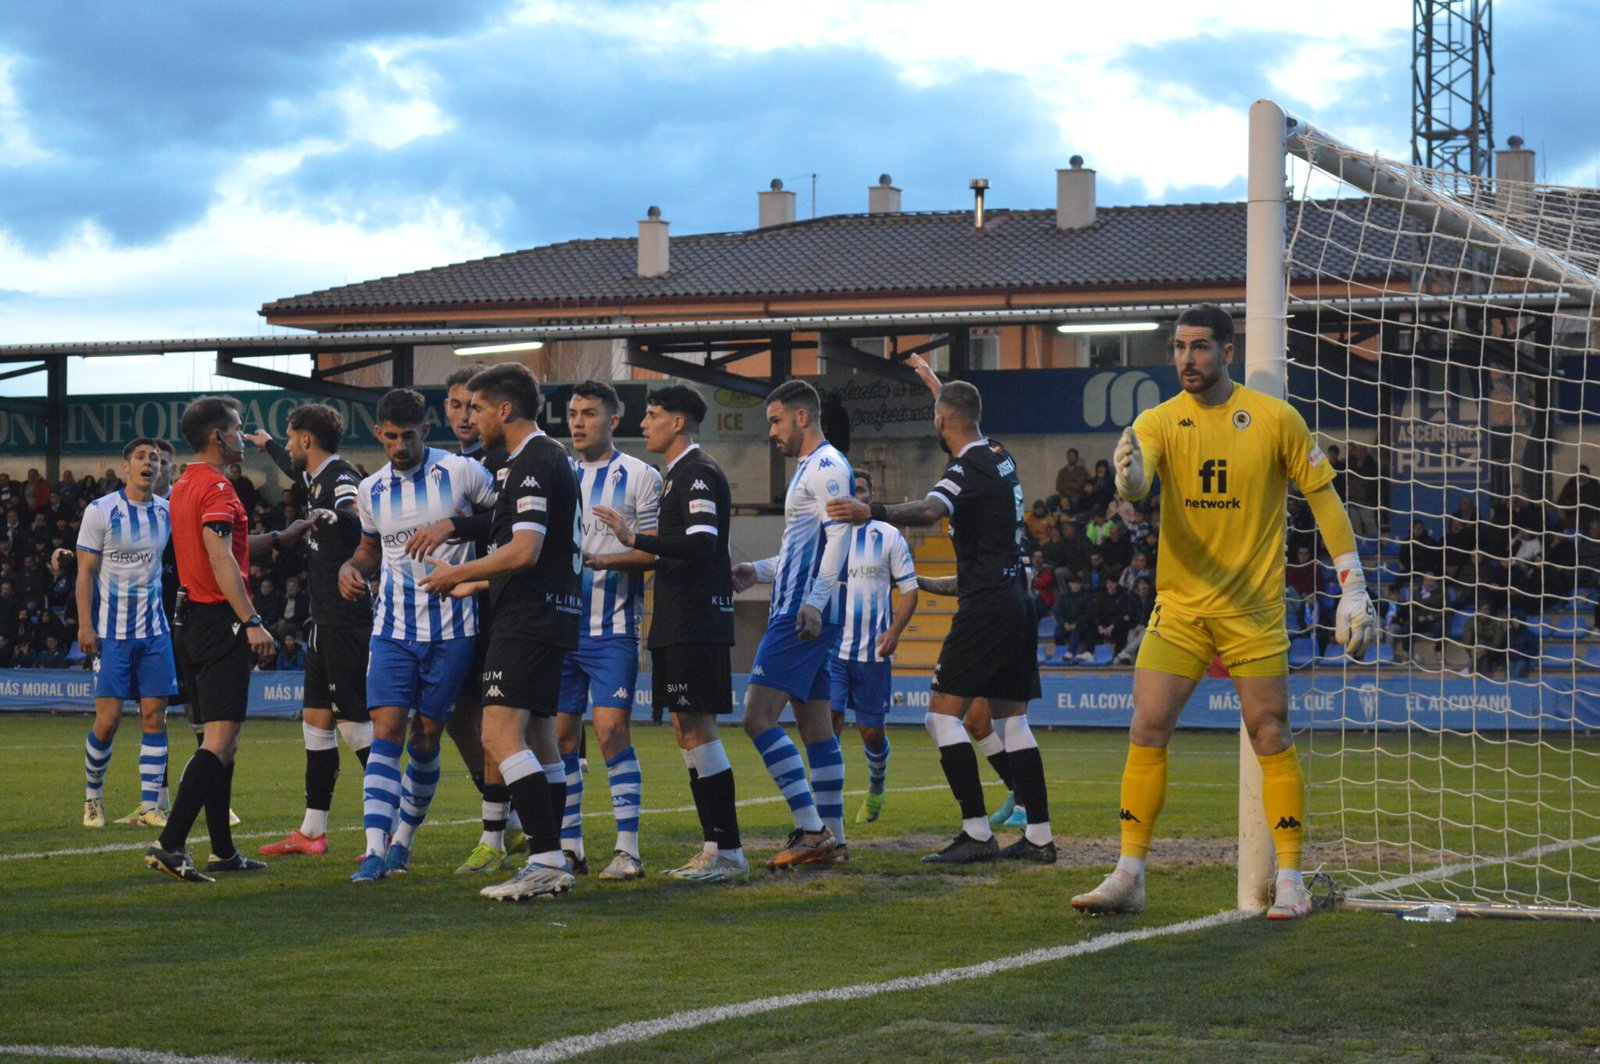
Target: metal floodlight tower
column 1452, row 78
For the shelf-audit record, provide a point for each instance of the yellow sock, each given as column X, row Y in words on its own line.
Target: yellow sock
column 1144, row 791
column 1283, row 797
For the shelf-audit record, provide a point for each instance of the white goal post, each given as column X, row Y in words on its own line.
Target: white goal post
column 1441, row 329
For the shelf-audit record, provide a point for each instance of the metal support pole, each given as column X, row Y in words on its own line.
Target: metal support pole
column 55, row 421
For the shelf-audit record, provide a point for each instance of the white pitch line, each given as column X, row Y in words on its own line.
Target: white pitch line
column 643, row 1030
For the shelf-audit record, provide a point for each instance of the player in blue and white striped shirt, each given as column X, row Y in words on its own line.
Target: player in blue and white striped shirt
column 803, row 630
column 861, row 680
column 122, row 625
column 604, row 668
column 421, row 644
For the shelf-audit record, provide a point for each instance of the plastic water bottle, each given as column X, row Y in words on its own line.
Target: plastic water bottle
column 1434, row 913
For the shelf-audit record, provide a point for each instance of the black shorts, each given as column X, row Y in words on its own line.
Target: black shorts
column 520, row 672
column 467, row 701
column 691, row 678
column 213, row 650
column 990, row 653
column 336, row 670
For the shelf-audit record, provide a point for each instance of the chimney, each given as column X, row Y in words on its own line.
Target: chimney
column 979, row 186
column 883, row 198
column 1075, row 196
column 777, row 206
column 653, row 252
column 1513, row 172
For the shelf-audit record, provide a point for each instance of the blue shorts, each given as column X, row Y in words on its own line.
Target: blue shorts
column 135, row 668
column 862, row 687
column 798, row 667
column 603, row 671
column 424, row 676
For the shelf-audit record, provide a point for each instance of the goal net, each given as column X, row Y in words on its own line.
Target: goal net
column 1440, row 330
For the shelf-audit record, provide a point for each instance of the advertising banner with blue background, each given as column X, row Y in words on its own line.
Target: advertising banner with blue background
column 1318, row 699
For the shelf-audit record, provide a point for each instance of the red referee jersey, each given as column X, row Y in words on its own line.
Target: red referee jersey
column 201, row 495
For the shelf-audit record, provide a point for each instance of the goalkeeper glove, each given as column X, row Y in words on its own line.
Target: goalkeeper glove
column 1128, row 462
column 1356, row 622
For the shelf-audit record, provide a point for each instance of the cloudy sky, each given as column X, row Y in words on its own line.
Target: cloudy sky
column 167, row 167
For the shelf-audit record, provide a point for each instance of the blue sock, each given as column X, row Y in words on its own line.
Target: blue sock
column 96, row 756
column 381, row 789
column 877, row 766
column 572, row 812
column 152, row 766
column 827, row 782
column 789, row 773
column 416, row 793
column 626, row 794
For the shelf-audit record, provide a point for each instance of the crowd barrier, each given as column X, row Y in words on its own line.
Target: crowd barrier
column 1323, row 698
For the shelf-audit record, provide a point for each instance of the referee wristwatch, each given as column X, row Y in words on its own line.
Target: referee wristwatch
column 255, row 621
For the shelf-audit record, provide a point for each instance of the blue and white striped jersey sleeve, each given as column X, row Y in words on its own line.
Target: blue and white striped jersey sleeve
column 902, row 570
column 92, row 530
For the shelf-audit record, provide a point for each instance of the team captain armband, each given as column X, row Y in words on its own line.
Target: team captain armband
column 221, row 528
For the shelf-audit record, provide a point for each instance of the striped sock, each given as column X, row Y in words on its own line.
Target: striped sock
column 787, row 771
column 627, row 792
column 416, row 793
column 496, row 806
column 877, row 766
column 827, row 781
column 381, row 788
column 572, row 809
column 152, row 767
column 96, row 756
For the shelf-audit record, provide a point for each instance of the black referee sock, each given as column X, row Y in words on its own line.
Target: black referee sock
column 495, row 794
column 1001, row 763
column 200, row 777
column 322, row 772
column 218, row 802
column 702, row 807
column 722, row 810
column 530, row 797
column 960, row 766
column 1028, row 767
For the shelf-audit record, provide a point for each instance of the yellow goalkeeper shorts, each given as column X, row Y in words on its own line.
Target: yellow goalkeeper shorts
column 1183, row 644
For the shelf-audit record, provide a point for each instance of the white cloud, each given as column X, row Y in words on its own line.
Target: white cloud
column 17, row 144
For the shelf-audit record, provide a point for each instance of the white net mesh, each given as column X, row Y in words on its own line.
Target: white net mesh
column 1442, row 333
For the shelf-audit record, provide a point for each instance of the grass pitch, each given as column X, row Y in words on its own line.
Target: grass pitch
column 297, row 964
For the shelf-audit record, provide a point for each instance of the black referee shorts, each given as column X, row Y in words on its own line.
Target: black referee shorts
column 991, row 653
column 213, row 651
column 691, row 678
column 336, row 670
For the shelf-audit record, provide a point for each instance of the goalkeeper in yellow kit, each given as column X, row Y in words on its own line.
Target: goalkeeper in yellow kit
column 1224, row 455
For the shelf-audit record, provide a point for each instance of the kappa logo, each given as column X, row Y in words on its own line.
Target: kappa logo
column 683, row 700
column 343, row 477
column 621, row 692
column 530, row 482
column 955, row 467
column 826, row 463
column 1126, row 815
column 494, row 691
column 699, row 485
column 1186, row 423
column 758, row 671
column 1286, row 823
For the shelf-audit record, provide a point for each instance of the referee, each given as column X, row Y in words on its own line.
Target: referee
column 218, row 634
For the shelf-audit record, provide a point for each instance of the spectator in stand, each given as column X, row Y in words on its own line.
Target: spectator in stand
column 1300, row 591
column 90, row 488
column 1116, row 547
column 1102, row 487
column 1580, row 499
column 1488, row 640
column 1098, row 527
column 1524, row 650
column 1101, row 574
column 7, row 652
column 1143, row 599
column 1426, row 615
column 52, row 656
column 269, row 604
column 282, row 513
column 1422, row 553
column 296, row 606
column 1337, row 464
column 39, row 533
column 1066, row 551
column 1361, row 478
column 70, row 491
column 16, row 534
column 1071, row 477
column 1559, row 572
column 1138, row 569
column 244, row 487
column 1043, row 585
column 292, row 654
column 1074, row 614
column 109, row 482
column 1113, row 615
column 37, row 490
column 34, row 581
column 1392, row 619
column 10, row 491
column 25, row 658
column 1037, row 523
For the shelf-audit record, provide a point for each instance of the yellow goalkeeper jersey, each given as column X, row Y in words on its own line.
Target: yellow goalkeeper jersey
column 1224, row 480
